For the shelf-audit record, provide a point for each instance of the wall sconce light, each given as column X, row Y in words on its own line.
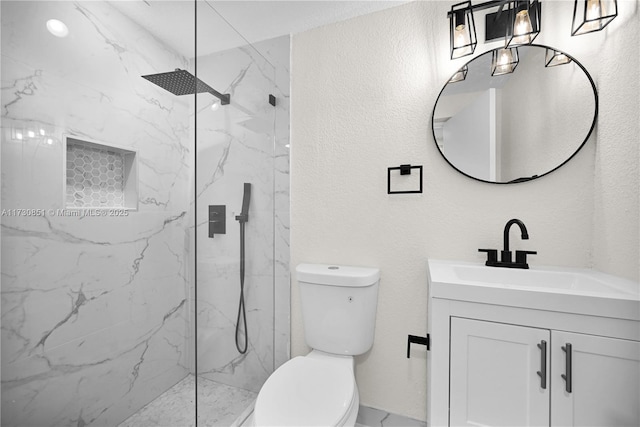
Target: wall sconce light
column 525, row 16
column 592, row 15
column 554, row 57
column 460, row 75
column 504, row 61
column 521, row 18
column 462, row 31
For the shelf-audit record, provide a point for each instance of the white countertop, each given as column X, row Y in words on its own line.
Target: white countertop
column 563, row 289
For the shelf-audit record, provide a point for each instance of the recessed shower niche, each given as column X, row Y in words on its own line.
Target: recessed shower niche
column 99, row 175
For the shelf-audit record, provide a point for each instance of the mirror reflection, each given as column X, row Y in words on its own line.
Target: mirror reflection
column 515, row 126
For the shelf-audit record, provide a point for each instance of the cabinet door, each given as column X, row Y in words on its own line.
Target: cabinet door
column 604, row 381
column 494, row 378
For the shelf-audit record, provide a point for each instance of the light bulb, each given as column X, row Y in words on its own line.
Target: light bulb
column 57, row 28
column 49, row 141
column 505, row 57
column 215, row 105
column 41, row 132
column 522, row 29
column 504, row 62
column 461, row 40
column 19, row 136
column 462, row 37
column 31, row 134
column 595, row 11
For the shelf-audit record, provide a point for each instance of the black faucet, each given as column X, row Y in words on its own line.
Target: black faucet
column 505, row 255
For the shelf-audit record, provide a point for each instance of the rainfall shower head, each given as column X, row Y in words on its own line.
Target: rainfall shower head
column 182, row 82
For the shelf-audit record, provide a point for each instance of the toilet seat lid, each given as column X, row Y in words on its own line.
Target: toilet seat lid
column 305, row 391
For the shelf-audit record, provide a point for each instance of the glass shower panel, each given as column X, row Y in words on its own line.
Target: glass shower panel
column 96, row 188
column 235, row 148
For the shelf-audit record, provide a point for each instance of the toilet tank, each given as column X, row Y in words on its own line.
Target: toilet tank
column 338, row 307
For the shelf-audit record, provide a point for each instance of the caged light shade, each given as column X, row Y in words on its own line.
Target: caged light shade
column 592, row 15
column 504, row 61
column 524, row 19
column 462, row 30
column 554, row 57
column 459, row 75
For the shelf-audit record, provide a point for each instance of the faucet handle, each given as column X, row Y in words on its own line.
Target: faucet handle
column 492, row 256
column 521, row 257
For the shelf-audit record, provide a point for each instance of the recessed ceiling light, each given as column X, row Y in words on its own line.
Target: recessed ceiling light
column 57, row 28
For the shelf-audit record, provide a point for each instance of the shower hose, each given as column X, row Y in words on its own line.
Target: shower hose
column 241, row 310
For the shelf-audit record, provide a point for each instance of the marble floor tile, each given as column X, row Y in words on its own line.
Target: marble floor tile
column 223, row 405
column 367, row 417
column 370, row 417
column 218, row 405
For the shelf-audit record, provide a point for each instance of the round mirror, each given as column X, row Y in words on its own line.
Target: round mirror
column 512, row 115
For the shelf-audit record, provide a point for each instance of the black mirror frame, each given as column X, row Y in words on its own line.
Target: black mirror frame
column 593, row 124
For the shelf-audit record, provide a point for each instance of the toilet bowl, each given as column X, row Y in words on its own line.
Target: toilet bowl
column 319, row 389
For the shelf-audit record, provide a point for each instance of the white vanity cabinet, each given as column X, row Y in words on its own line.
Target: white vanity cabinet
column 605, row 381
column 493, row 379
column 510, row 355
column 508, row 375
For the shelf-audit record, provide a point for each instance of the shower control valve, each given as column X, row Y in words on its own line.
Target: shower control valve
column 217, row 220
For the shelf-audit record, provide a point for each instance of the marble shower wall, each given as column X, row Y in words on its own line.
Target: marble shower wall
column 246, row 141
column 94, row 308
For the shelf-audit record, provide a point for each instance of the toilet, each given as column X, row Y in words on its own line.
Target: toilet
column 319, row 389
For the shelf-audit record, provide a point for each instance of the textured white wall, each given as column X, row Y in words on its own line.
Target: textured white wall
column 362, row 96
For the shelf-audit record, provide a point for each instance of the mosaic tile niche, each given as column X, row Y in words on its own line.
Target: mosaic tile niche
column 99, row 176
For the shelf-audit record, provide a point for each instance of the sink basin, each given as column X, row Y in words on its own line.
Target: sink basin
column 561, row 289
column 546, row 278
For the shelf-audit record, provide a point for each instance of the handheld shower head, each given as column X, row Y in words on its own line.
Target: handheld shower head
column 246, row 198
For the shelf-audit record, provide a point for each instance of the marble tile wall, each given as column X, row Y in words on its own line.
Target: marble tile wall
column 246, row 141
column 94, row 308
column 278, row 53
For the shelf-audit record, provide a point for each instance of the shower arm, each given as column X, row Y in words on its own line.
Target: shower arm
column 224, row 98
